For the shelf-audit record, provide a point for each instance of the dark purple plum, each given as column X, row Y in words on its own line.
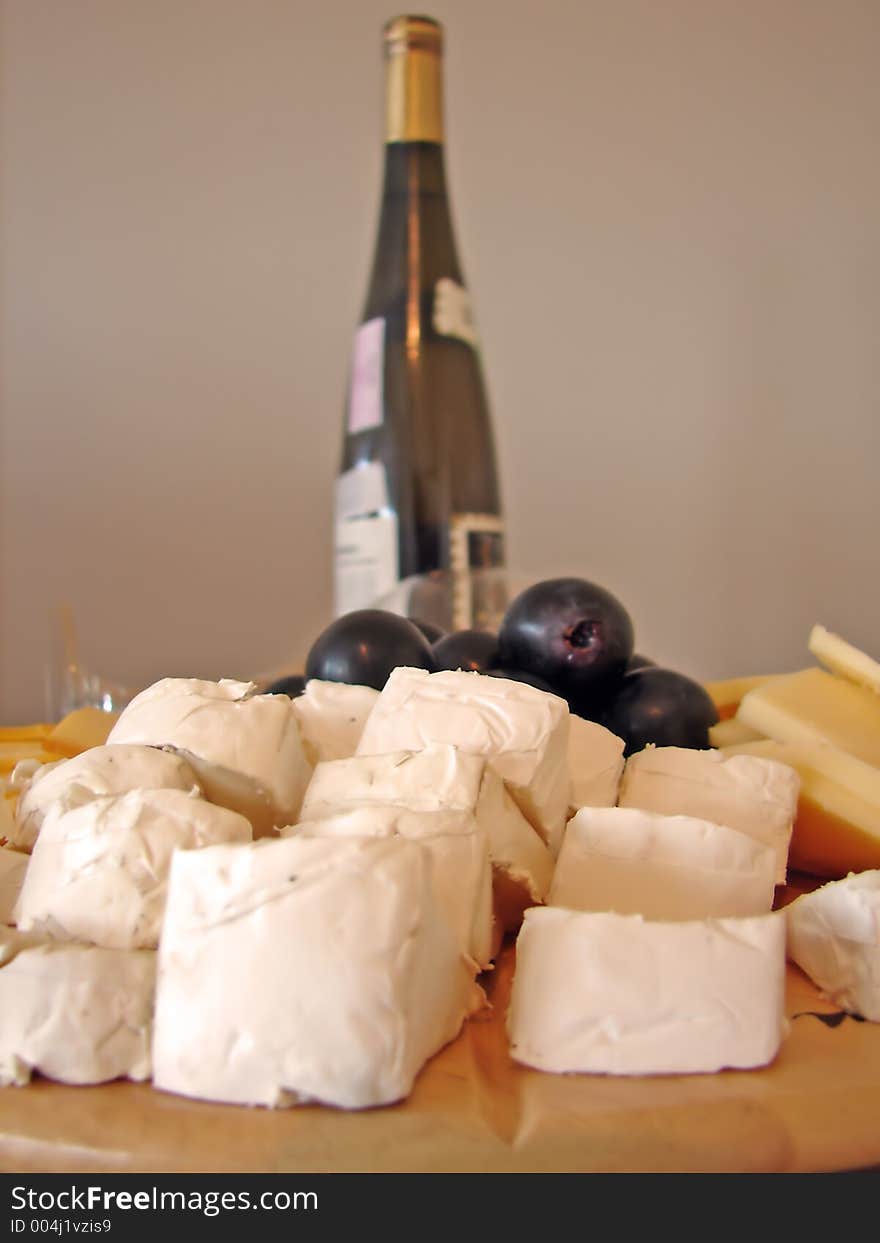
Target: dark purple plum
column 573, row 634
column 660, row 706
column 517, row 675
column 363, row 647
column 638, row 661
column 474, row 650
column 431, row 632
column 293, row 685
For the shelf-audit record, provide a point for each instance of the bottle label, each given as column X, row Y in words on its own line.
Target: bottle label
column 452, row 315
column 366, row 394
column 476, row 558
column 366, row 556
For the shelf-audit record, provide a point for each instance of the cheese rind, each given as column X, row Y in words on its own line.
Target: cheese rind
column 98, row 872
column 523, row 732
column 595, row 762
column 244, row 748
column 834, row 936
column 369, row 985
column 331, row 718
column 815, row 706
column 100, row 771
column 662, row 867
column 752, row 794
column 75, row 1013
column 603, row 993
column 443, row 778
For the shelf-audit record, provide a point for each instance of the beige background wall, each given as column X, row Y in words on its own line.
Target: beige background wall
column 669, row 215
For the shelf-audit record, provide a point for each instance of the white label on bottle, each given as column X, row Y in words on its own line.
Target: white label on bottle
column 361, row 491
column 452, row 315
column 367, row 366
column 476, row 553
column 366, row 555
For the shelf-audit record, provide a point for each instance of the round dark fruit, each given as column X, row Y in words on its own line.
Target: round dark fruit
column 473, row 650
column 660, row 706
column 517, row 675
column 293, row 685
column 363, row 647
column 638, row 661
column 573, row 634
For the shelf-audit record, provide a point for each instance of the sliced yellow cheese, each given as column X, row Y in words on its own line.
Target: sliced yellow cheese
column 815, row 706
column 24, row 733
column 80, row 730
column 837, row 826
column 12, row 752
column 844, row 659
column 729, row 732
column 727, row 694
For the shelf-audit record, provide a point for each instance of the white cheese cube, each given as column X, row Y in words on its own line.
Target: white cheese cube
column 755, row 795
column 75, row 1013
column 441, row 777
column 13, row 865
column 92, row 774
column 331, row 718
column 834, row 936
column 615, row 994
column 99, row 872
column 662, row 867
column 304, row 969
column 521, row 731
column 595, row 762
column 461, row 874
column 244, row 748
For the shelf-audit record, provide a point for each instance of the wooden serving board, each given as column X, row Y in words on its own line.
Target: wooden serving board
column 817, row 1107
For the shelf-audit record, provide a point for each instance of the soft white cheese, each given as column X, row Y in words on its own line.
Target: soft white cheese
column 755, row 795
column 834, row 936
column 595, row 762
column 331, row 718
column 614, row 994
column 523, row 732
column 99, row 872
column 245, row 748
column 461, row 875
column 441, row 777
column 13, row 865
column 304, row 969
column 75, row 1013
column 662, row 867
column 7, row 823
column 92, row 774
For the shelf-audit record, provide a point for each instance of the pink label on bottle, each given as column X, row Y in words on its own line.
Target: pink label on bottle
column 365, row 400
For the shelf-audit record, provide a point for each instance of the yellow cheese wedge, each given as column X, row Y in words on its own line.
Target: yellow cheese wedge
column 815, row 706
column 844, row 659
column 24, row 733
column 729, row 732
column 727, row 694
column 837, row 826
column 80, row 730
column 12, row 752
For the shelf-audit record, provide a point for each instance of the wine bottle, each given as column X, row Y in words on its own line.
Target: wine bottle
column 417, row 492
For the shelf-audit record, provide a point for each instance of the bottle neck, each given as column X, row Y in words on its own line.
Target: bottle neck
column 413, row 94
column 416, row 244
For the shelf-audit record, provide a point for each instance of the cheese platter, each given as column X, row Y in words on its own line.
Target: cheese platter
column 450, row 915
